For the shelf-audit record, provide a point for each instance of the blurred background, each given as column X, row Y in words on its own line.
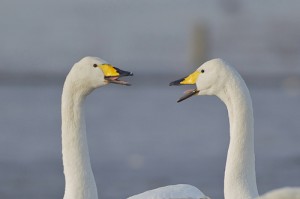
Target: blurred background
column 139, row 137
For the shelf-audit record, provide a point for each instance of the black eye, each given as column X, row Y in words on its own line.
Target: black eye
column 95, row 65
column 202, row 71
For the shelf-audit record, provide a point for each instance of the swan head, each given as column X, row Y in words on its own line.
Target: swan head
column 209, row 79
column 92, row 72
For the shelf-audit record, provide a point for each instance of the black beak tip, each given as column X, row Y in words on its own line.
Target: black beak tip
column 181, row 99
column 176, row 83
column 123, row 72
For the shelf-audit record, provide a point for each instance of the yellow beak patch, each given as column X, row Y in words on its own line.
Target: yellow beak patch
column 109, row 70
column 191, row 79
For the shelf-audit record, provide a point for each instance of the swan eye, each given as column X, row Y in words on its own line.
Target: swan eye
column 95, row 65
column 202, row 71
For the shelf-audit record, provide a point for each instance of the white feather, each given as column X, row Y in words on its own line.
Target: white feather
column 225, row 82
column 180, row 191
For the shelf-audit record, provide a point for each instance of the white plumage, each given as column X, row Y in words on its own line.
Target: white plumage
column 282, row 193
column 217, row 78
column 85, row 76
column 180, row 191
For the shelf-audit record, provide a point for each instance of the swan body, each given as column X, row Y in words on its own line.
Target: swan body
column 85, row 76
column 215, row 77
column 282, row 193
column 180, row 191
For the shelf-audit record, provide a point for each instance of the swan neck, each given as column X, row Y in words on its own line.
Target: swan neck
column 79, row 178
column 240, row 177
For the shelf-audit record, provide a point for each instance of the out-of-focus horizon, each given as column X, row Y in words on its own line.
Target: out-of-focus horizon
column 154, row 141
column 46, row 37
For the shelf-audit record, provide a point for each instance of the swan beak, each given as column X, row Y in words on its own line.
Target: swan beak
column 189, row 80
column 188, row 94
column 112, row 74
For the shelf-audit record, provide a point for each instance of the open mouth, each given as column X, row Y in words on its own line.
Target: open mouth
column 116, row 80
column 112, row 74
column 188, row 93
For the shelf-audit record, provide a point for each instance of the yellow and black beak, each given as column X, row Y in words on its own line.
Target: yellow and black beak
column 112, row 74
column 189, row 80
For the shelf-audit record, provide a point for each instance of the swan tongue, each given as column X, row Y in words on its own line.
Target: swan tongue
column 188, row 93
column 115, row 80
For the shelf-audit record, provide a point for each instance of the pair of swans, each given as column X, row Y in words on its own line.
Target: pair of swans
column 212, row 78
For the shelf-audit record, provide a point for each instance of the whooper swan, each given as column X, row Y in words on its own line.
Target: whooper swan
column 217, row 78
column 85, row 76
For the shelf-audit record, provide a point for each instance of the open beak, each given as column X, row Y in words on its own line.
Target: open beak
column 112, row 74
column 189, row 80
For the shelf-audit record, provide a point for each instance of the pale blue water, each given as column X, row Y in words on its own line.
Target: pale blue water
column 140, row 139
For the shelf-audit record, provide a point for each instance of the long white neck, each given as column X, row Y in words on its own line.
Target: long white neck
column 240, row 177
column 79, row 178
